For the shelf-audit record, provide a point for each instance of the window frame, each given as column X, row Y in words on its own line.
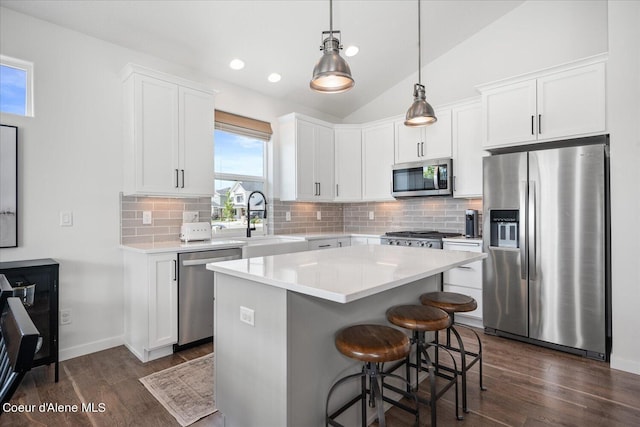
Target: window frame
column 224, row 176
column 27, row 67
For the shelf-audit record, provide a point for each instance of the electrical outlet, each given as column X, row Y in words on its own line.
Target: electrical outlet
column 146, row 218
column 66, row 219
column 287, row 216
column 65, row 316
column 318, row 215
column 247, row 315
column 371, row 215
column 190, row 216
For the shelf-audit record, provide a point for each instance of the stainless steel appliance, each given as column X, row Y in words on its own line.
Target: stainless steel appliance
column 546, row 233
column 425, row 178
column 418, row 238
column 471, row 223
column 195, row 294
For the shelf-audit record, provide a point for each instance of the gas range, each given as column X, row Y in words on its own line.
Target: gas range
column 418, row 238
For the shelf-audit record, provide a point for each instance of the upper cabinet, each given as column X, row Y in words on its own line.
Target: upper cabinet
column 306, row 159
column 563, row 103
column 431, row 142
column 467, row 149
column 348, row 163
column 168, row 135
column 377, row 160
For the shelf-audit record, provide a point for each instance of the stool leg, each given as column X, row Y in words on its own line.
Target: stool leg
column 463, row 367
column 483, row 388
column 328, row 420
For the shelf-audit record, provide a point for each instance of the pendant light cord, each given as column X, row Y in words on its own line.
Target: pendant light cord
column 331, row 19
column 419, row 49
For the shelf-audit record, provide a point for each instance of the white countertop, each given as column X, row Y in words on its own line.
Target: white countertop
column 346, row 274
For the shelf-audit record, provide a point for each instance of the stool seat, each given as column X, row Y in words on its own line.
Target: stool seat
column 419, row 317
column 451, row 302
column 373, row 343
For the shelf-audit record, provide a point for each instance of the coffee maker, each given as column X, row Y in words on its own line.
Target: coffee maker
column 471, row 223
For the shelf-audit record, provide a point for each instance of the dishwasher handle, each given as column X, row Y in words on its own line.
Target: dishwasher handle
column 194, row 262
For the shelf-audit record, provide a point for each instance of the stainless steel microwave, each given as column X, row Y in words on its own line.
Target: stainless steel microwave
column 424, row 178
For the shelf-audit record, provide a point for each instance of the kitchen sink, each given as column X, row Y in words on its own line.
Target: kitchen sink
column 272, row 245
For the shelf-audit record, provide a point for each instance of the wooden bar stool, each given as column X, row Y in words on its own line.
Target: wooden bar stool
column 372, row 345
column 421, row 319
column 453, row 303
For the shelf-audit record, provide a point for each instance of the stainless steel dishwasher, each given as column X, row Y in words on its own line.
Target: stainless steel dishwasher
column 195, row 295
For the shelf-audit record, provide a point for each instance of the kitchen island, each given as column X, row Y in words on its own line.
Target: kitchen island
column 276, row 317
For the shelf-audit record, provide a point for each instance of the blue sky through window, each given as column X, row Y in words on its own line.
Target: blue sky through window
column 237, row 154
column 13, row 90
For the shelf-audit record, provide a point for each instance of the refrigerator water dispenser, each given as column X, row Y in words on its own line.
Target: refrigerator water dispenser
column 504, row 228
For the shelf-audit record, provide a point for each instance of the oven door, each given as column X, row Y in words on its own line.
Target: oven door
column 422, row 179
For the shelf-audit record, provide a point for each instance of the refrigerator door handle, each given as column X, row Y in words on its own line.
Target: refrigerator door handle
column 533, row 219
column 522, row 232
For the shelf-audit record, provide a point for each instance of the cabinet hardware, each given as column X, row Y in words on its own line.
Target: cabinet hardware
column 418, row 149
column 324, row 246
column 454, row 183
column 532, row 119
column 182, row 171
column 422, row 149
column 177, row 179
column 175, row 270
column 337, row 192
column 539, row 124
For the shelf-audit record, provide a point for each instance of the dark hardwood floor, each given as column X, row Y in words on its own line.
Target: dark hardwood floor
column 527, row 386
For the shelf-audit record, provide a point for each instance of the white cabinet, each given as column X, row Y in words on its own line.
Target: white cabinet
column 377, row 160
column 151, row 304
column 563, row 103
column 431, row 142
column 465, row 279
column 348, row 164
column 168, row 135
column 467, row 149
column 362, row 240
column 307, row 159
column 323, row 244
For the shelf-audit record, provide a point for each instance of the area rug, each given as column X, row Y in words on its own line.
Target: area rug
column 185, row 390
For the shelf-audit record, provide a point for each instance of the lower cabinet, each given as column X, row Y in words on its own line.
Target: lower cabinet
column 151, row 304
column 329, row 243
column 466, row 279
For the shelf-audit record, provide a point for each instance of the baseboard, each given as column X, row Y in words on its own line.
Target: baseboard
column 632, row 366
column 92, row 347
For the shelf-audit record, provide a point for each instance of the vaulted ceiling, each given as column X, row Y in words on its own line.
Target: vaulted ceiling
column 279, row 36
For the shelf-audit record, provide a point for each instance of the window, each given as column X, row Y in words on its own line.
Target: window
column 16, row 86
column 240, row 167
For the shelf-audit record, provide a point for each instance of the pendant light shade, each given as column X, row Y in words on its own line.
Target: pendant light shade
column 421, row 112
column 331, row 73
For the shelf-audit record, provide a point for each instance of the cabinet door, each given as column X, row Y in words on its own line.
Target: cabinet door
column 305, row 158
column 323, row 166
column 467, row 150
column 348, row 164
column 156, row 136
column 163, row 300
column 572, row 102
column 323, row 244
column 377, row 152
column 409, row 143
column 437, row 137
column 196, row 142
column 509, row 114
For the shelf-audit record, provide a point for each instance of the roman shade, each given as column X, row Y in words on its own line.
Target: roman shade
column 241, row 125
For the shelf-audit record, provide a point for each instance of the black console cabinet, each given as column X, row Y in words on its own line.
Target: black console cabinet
column 44, row 310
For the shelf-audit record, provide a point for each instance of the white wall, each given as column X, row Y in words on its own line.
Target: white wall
column 623, row 107
column 535, row 35
column 71, row 159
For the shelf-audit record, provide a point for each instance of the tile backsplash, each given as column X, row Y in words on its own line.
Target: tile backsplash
column 434, row 213
column 166, row 216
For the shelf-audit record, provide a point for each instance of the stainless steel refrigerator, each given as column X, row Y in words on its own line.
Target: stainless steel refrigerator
column 546, row 233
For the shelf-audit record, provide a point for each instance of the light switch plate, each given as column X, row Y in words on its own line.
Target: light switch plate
column 287, row 216
column 318, row 215
column 147, row 219
column 371, row 215
column 190, row 216
column 247, row 316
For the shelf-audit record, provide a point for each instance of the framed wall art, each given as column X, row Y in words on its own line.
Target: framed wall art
column 8, row 186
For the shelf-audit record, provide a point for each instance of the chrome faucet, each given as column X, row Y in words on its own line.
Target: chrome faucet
column 249, row 210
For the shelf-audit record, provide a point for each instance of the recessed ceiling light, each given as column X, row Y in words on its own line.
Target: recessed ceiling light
column 274, row 77
column 237, row 64
column 351, row 50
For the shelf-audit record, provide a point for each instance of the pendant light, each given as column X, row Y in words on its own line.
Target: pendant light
column 420, row 113
column 331, row 73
